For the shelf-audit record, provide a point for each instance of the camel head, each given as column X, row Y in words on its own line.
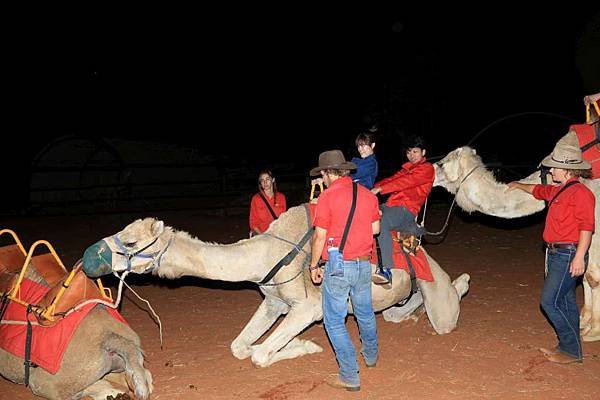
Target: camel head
column 452, row 169
column 137, row 248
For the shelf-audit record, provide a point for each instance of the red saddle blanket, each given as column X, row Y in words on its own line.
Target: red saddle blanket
column 48, row 344
column 418, row 261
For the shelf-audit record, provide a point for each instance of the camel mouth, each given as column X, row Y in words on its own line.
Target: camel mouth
column 97, row 260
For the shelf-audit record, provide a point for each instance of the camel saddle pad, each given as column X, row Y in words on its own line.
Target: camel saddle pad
column 48, row 344
column 418, row 261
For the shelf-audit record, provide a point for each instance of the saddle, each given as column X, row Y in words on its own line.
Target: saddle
column 66, row 290
column 409, row 244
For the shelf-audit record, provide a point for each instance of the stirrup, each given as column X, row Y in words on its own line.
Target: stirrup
column 409, row 244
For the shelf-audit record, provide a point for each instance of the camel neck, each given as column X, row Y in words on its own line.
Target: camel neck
column 226, row 262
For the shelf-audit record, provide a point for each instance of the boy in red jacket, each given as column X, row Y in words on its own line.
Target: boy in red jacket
column 408, row 189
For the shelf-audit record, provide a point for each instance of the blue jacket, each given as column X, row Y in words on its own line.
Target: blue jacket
column 366, row 171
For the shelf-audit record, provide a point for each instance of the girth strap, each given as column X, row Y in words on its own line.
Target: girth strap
column 413, row 278
column 27, row 362
column 289, row 257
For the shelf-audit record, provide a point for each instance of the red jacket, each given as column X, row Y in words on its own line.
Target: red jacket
column 410, row 186
column 586, row 134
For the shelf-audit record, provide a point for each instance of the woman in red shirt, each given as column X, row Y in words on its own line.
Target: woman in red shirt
column 568, row 234
column 266, row 205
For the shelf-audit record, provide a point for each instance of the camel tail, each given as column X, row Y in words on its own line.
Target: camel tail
column 139, row 377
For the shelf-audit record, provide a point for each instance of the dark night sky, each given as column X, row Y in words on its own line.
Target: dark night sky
column 311, row 77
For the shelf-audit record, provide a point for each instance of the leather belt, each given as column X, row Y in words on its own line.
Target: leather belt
column 361, row 258
column 567, row 246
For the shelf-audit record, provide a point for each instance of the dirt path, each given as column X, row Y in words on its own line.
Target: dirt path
column 492, row 354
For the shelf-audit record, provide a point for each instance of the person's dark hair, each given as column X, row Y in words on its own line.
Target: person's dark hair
column 367, row 138
column 268, row 172
column 415, row 141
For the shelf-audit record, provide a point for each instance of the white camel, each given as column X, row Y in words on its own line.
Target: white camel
column 102, row 359
column 149, row 244
column 463, row 173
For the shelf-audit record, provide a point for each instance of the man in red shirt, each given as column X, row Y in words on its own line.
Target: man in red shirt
column 408, row 189
column 351, row 233
column 568, row 234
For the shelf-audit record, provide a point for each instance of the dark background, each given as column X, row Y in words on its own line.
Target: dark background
column 274, row 85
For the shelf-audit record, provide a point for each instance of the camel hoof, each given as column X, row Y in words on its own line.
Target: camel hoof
column 261, row 359
column 461, row 284
column 312, row 347
column 241, row 352
column 591, row 337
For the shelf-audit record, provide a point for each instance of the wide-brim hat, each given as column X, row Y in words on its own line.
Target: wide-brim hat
column 332, row 159
column 566, row 157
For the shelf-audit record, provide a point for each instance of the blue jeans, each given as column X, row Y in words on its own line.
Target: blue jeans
column 559, row 303
column 356, row 284
column 398, row 219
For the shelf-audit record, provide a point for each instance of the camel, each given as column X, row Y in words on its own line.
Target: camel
column 463, row 174
column 147, row 244
column 103, row 356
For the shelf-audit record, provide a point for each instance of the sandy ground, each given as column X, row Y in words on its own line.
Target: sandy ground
column 491, row 355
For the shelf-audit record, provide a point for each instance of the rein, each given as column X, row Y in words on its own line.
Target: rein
column 289, row 257
column 441, row 231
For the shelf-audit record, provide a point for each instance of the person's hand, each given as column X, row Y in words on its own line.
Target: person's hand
column 376, row 190
column 591, row 98
column 577, row 267
column 511, row 186
column 316, row 181
column 316, row 274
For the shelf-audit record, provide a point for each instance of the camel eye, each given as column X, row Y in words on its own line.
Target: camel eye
column 129, row 244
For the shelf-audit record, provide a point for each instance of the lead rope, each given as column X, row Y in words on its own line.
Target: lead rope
column 121, row 283
column 451, row 206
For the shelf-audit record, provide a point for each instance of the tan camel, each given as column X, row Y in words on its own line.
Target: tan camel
column 102, row 357
column 148, row 244
column 463, row 173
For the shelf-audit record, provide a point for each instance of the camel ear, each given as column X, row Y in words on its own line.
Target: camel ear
column 157, row 228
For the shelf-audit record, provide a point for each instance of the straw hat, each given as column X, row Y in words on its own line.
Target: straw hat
column 566, row 157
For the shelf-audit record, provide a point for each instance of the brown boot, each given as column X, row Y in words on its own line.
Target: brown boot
column 335, row 382
column 549, row 352
column 562, row 358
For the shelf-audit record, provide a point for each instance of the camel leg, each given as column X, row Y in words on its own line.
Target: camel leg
column 299, row 317
column 264, row 317
column 296, row 348
column 398, row 314
column 442, row 298
column 592, row 277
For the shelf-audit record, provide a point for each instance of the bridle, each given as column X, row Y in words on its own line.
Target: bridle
column 155, row 256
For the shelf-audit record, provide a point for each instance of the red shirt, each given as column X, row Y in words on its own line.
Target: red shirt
column 570, row 213
column 332, row 213
column 410, row 186
column 260, row 216
column 586, row 134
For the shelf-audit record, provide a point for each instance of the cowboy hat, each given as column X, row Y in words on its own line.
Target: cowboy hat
column 332, row 159
column 566, row 157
